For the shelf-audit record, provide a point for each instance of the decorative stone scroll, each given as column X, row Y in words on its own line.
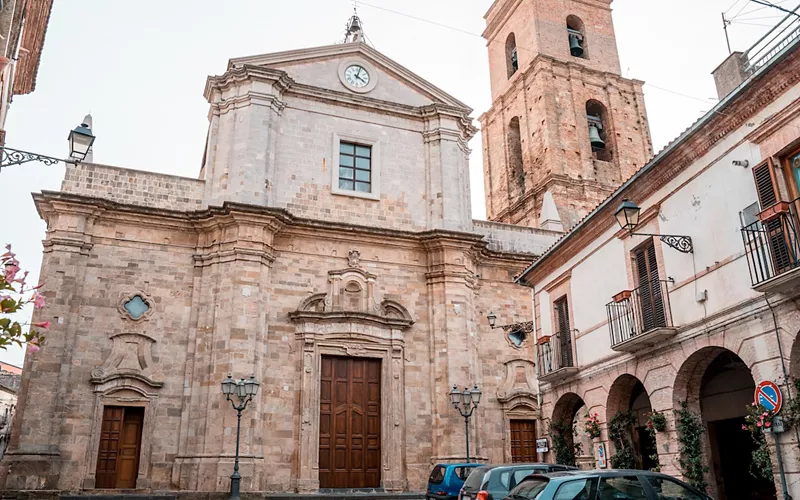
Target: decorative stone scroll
column 130, row 358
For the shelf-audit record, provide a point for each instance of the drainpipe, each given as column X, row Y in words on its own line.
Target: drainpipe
column 785, row 489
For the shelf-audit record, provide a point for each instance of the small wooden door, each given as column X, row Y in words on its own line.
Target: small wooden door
column 350, row 423
column 120, row 444
column 523, row 441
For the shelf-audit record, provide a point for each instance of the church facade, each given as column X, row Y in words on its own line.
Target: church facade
column 327, row 249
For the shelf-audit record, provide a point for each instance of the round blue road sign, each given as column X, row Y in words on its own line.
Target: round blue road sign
column 769, row 396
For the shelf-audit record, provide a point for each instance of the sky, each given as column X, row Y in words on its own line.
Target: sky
column 140, row 67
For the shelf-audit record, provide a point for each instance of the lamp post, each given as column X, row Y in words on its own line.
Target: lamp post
column 627, row 216
column 465, row 402
column 80, row 141
column 244, row 390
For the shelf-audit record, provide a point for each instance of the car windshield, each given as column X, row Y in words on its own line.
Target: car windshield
column 437, row 475
column 529, row 488
column 475, row 478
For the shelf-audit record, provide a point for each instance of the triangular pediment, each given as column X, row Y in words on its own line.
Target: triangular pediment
column 321, row 67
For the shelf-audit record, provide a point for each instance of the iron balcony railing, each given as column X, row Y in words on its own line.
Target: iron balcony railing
column 771, row 243
column 773, row 42
column 555, row 353
column 638, row 311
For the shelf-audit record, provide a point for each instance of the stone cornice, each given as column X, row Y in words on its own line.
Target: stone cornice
column 774, row 123
column 279, row 221
column 236, row 76
column 336, row 50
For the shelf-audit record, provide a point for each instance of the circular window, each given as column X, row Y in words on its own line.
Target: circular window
column 517, row 337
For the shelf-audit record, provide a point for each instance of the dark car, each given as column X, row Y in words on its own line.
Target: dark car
column 604, row 485
column 493, row 482
column 446, row 480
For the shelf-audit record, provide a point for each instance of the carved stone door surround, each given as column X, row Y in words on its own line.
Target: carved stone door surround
column 349, row 321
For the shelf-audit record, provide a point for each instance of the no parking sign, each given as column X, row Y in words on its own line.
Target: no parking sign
column 769, row 396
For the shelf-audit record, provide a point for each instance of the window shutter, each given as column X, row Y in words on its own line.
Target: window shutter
column 766, row 186
column 651, row 303
column 659, row 315
column 565, row 335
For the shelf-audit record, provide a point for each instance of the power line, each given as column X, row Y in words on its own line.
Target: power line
column 770, row 4
column 524, row 49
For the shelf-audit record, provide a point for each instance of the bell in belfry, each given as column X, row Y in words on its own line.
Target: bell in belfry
column 594, row 137
column 575, row 47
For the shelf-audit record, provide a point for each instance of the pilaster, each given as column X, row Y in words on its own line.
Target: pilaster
column 34, row 456
column 228, row 335
column 450, row 281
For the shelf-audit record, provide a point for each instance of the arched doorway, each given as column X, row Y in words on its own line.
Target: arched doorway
column 628, row 396
column 719, row 386
column 566, row 447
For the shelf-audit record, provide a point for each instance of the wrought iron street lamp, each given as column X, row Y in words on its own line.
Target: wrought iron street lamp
column 465, row 402
column 525, row 326
column 80, row 142
column 244, row 390
column 627, row 216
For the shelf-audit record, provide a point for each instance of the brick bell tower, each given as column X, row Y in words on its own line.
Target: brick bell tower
column 565, row 128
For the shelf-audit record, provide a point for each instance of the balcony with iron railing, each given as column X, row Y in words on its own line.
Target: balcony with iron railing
column 775, row 41
column 772, row 248
column 556, row 358
column 641, row 318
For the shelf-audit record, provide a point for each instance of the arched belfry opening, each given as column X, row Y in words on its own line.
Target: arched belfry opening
column 516, row 172
column 599, row 131
column 576, row 36
column 512, row 60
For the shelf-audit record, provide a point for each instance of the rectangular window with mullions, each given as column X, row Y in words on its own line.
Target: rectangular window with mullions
column 355, row 167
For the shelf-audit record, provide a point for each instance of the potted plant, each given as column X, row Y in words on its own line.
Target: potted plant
column 592, row 425
column 623, row 295
column 656, row 421
column 770, row 213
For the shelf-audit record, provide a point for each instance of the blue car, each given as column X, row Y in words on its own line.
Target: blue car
column 446, row 480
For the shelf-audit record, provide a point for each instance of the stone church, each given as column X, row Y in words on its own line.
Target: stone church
column 327, row 248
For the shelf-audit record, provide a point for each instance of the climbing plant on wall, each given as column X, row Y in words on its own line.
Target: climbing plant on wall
column 619, row 429
column 690, row 432
column 565, row 452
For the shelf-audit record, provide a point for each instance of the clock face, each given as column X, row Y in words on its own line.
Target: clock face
column 356, row 76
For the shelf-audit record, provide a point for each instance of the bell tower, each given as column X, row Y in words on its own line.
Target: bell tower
column 565, row 128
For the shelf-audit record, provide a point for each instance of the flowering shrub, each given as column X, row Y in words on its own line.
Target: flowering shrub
column 656, row 422
column 15, row 294
column 690, row 431
column 565, row 446
column 759, row 419
column 592, row 425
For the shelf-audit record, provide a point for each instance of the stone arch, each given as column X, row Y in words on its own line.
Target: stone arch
column 597, row 118
column 561, row 424
column 718, row 386
column 576, row 36
column 794, row 358
column 516, row 171
column 512, row 59
column 628, row 393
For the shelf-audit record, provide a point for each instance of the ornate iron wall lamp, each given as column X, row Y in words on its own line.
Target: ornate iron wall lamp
column 80, row 141
column 524, row 327
column 628, row 218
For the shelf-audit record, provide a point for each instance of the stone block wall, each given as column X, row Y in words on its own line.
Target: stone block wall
column 134, row 187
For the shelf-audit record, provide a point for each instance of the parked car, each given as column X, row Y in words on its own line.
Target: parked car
column 446, row 480
column 604, row 485
column 493, row 482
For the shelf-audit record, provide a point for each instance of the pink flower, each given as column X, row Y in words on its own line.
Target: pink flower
column 32, row 347
column 767, row 424
column 764, row 414
column 10, row 271
column 42, row 324
column 753, row 403
column 744, row 427
column 758, row 424
column 38, row 300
